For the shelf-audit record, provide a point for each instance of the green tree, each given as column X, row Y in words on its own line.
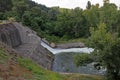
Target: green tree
column 78, row 23
column 92, row 16
column 109, row 16
column 118, row 24
column 88, row 5
column 82, row 59
column 71, row 23
column 19, row 7
column 62, row 24
column 106, row 46
column 106, row 1
column 4, row 6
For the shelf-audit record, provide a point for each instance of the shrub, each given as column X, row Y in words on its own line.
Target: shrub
column 82, row 59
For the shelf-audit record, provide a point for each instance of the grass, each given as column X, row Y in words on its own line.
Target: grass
column 83, row 77
column 10, row 69
column 83, row 40
column 39, row 73
column 59, row 40
column 31, row 71
column 42, row 74
column 3, row 57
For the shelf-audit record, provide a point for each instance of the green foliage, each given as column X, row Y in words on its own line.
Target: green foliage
column 42, row 74
column 92, row 16
column 106, row 49
column 30, row 65
column 97, row 36
column 88, row 5
column 71, row 23
column 4, row 6
column 19, row 7
column 106, row 1
column 82, row 59
column 52, row 38
column 58, row 22
column 3, row 57
column 38, row 72
column 1, row 15
column 111, row 19
column 83, row 77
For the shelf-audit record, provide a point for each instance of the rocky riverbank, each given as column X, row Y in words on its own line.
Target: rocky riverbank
column 26, row 43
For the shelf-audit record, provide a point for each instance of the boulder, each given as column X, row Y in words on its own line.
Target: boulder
column 53, row 45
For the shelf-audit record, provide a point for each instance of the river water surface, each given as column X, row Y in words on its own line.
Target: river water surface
column 64, row 60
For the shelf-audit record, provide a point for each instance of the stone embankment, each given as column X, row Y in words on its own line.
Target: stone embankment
column 26, row 43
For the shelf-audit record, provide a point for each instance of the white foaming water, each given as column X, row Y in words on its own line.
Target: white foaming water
column 58, row 50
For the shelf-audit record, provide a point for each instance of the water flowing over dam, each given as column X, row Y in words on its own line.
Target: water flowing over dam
column 64, row 60
column 58, row 50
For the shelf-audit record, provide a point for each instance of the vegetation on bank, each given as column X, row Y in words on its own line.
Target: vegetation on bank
column 56, row 23
column 106, row 51
column 25, row 69
column 82, row 59
column 83, row 40
column 66, row 24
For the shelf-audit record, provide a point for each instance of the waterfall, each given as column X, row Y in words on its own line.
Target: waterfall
column 64, row 60
column 58, row 50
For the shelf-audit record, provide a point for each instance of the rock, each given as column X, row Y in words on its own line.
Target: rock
column 32, row 48
column 71, row 45
column 53, row 45
column 9, row 34
column 25, row 42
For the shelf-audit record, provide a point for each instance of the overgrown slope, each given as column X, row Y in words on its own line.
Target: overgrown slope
column 17, row 68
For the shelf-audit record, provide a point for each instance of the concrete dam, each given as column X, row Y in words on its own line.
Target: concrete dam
column 26, row 43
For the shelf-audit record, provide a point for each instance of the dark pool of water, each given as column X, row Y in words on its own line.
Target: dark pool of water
column 64, row 62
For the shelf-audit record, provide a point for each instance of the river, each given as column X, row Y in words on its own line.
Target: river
column 64, row 60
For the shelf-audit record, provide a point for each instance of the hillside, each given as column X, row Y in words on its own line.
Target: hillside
column 16, row 68
column 17, row 62
column 96, row 26
column 26, row 43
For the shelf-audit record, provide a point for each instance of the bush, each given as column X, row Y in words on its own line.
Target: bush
column 82, row 59
column 11, row 19
column 52, row 38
